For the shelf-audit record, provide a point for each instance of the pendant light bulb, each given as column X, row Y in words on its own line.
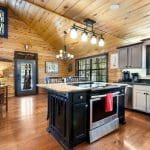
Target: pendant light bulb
column 84, row 37
column 73, row 33
column 101, row 42
column 72, row 56
column 57, row 56
column 93, row 39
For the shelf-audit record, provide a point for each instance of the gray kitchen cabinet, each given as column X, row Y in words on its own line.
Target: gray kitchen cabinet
column 136, row 56
column 130, row 57
column 123, row 55
column 141, row 98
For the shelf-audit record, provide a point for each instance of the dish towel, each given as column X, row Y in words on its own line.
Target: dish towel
column 109, row 102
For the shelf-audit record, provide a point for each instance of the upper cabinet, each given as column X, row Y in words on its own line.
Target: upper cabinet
column 130, row 56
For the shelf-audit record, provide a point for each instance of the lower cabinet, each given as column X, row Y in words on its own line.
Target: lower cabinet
column 141, row 98
column 148, row 101
column 68, row 117
column 79, row 122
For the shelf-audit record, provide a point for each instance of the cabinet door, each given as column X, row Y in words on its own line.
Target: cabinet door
column 136, row 56
column 123, row 58
column 79, row 122
column 148, row 101
column 60, row 115
column 139, row 100
column 121, row 109
column 130, row 56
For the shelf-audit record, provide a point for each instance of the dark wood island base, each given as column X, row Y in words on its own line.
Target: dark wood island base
column 69, row 114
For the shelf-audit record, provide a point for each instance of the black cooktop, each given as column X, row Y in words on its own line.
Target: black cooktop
column 92, row 84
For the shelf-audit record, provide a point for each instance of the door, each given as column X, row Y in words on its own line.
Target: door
column 25, row 77
column 123, row 57
column 140, row 100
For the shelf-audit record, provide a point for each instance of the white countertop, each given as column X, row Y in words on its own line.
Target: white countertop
column 64, row 87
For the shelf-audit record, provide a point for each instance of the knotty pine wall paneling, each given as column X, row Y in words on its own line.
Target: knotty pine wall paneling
column 18, row 35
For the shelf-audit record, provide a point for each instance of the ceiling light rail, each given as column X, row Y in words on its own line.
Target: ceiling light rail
column 87, row 31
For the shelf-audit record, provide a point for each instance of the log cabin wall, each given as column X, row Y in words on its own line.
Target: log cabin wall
column 20, row 34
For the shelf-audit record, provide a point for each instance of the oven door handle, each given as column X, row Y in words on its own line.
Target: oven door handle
column 97, row 97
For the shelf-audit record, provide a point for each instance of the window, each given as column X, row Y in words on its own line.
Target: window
column 94, row 68
column 3, row 22
column 148, row 59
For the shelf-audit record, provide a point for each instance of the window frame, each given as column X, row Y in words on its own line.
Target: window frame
column 91, row 57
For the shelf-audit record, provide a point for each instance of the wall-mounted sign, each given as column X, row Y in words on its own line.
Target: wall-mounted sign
column 51, row 67
column 114, row 61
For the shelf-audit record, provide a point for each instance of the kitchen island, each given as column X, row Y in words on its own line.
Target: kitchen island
column 76, row 111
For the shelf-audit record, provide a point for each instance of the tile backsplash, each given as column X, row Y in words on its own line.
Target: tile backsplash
column 142, row 72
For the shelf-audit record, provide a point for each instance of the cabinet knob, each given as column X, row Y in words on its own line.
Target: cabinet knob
column 81, row 97
column 86, row 105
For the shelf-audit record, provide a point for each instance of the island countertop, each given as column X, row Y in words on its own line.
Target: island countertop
column 68, row 87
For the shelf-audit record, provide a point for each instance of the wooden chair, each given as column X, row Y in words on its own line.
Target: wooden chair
column 54, row 79
column 3, row 97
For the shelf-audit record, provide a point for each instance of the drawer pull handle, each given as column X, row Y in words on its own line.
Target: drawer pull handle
column 81, row 97
column 86, row 105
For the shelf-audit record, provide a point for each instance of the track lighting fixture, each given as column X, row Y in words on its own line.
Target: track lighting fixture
column 87, row 31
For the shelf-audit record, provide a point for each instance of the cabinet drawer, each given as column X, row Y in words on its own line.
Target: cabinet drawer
column 79, row 97
column 140, row 87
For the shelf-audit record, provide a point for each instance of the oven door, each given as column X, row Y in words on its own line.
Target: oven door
column 98, row 115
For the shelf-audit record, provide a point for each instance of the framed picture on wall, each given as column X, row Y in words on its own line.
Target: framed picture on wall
column 114, row 61
column 51, row 67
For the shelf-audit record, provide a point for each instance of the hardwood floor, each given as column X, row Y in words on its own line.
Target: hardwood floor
column 24, row 128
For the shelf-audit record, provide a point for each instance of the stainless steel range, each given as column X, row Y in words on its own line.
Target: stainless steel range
column 102, row 122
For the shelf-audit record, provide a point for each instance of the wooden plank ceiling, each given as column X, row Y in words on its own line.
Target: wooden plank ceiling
column 129, row 24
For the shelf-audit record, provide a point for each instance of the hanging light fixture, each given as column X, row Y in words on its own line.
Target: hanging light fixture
column 93, row 39
column 73, row 33
column 63, row 54
column 87, row 30
column 84, row 36
column 101, row 42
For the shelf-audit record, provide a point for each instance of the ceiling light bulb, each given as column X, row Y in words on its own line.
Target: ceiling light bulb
column 114, row 6
column 84, row 37
column 57, row 56
column 68, row 55
column 61, row 51
column 60, row 55
column 101, row 42
column 93, row 40
column 73, row 33
column 72, row 56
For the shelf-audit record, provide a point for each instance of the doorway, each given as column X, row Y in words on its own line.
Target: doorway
column 25, row 73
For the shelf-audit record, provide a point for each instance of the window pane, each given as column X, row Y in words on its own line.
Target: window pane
column 95, row 68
